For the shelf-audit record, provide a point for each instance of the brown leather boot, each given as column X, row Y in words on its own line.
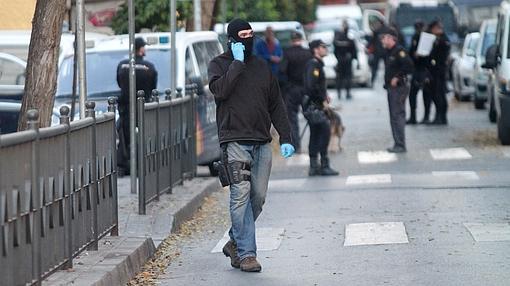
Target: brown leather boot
column 250, row 264
column 230, row 250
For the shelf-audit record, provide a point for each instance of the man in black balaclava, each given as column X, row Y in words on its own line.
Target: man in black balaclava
column 248, row 101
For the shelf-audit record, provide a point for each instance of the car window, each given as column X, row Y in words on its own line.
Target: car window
column 499, row 33
column 489, row 38
column 189, row 67
column 205, row 52
column 11, row 73
column 102, row 71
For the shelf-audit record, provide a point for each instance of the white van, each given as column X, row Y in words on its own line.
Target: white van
column 194, row 52
column 498, row 58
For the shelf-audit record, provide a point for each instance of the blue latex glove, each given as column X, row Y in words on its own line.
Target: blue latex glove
column 287, row 150
column 237, row 51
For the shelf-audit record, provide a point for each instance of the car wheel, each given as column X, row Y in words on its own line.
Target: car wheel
column 212, row 170
column 492, row 111
column 479, row 104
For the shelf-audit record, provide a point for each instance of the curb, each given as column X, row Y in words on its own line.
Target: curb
column 186, row 212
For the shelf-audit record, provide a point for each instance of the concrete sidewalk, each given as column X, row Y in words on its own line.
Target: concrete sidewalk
column 120, row 258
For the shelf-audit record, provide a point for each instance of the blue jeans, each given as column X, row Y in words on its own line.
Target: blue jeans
column 248, row 197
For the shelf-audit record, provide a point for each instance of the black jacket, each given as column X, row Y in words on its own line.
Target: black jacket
column 248, row 100
column 439, row 56
column 315, row 81
column 398, row 64
column 146, row 79
column 292, row 66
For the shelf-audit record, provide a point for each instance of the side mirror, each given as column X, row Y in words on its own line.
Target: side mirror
column 200, row 86
column 491, row 58
column 470, row 53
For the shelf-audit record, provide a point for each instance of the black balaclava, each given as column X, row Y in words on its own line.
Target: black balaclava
column 233, row 29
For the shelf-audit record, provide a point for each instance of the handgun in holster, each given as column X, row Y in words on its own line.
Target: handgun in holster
column 233, row 172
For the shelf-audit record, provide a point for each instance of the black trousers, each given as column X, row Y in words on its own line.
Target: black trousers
column 344, row 78
column 396, row 103
column 294, row 99
column 438, row 91
column 319, row 139
column 421, row 80
column 374, row 65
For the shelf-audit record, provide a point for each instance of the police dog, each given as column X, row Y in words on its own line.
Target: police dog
column 337, row 129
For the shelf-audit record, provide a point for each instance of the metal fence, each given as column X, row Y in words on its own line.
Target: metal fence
column 58, row 193
column 166, row 143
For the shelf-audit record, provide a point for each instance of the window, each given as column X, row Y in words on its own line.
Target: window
column 189, row 67
column 205, row 52
column 11, row 73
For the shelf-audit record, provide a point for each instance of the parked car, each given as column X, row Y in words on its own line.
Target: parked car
column 9, row 116
column 12, row 77
column 498, row 59
column 481, row 75
column 16, row 44
column 194, row 52
column 325, row 30
column 464, row 68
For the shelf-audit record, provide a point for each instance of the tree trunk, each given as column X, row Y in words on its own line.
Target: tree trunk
column 208, row 14
column 42, row 63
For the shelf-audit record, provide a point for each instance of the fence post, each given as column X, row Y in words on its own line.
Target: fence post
column 33, row 124
column 68, row 229
column 111, row 108
column 194, row 131
column 168, row 96
column 155, row 98
column 141, row 152
column 181, row 127
column 90, row 112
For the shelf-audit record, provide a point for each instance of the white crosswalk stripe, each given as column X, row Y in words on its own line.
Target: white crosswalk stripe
column 375, row 233
column 489, row 231
column 450, row 154
column 456, row 175
column 506, row 152
column 298, row 160
column 373, row 157
column 369, row 179
column 267, row 238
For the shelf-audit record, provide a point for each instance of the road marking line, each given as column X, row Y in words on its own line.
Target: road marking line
column 506, row 152
column 489, row 231
column 268, row 239
column 298, row 160
column 369, row 179
column 463, row 175
column 375, row 233
column 373, row 157
column 450, row 154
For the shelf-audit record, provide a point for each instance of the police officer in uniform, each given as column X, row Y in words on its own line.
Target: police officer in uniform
column 438, row 66
column 315, row 86
column 292, row 69
column 146, row 80
column 345, row 53
column 421, row 77
column 398, row 66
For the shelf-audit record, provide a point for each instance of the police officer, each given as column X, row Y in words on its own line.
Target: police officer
column 248, row 101
column 146, row 80
column 345, row 53
column 421, row 77
column 292, row 69
column 438, row 66
column 398, row 66
column 315, row 86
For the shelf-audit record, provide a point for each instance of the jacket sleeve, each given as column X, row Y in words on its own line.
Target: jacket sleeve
column 278, row 112
column 222, row 83
column 354, row 50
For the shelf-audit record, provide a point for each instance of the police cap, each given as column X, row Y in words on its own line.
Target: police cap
column 316, row 43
